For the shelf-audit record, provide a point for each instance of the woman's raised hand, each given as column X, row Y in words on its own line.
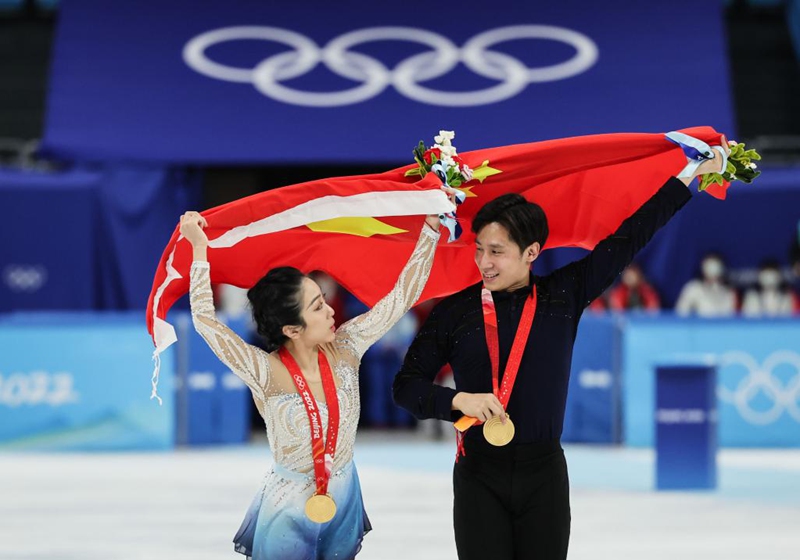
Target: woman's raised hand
column 192, row 224
column 433, row 219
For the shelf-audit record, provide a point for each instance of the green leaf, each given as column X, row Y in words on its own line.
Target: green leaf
column 708, row 179
column 419, row 150
column 749, row 178
column 413, row 172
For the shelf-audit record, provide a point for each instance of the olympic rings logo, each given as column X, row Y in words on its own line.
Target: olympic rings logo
column 761, row 378
column 24, row 278
column 407, row 77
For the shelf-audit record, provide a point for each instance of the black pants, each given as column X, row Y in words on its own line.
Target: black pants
column 511, row 503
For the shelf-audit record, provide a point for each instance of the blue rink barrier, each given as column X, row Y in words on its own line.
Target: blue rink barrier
column 686, row 426
column 592, row 413
column 758, row 375
column 213, row 403
column 81, row 381
column 76, row 381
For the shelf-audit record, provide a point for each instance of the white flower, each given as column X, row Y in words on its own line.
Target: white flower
column 466, row 172
column 751, row 165
column 444, row 137
column 733, row 177
column 732, row 143
column 447, row 151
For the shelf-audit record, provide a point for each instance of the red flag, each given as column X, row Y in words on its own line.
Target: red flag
column 362, row 229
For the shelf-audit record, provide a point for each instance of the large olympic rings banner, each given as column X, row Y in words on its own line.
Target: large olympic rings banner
column 245, row 81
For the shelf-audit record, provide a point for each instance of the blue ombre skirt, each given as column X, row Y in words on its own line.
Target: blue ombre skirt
column 276, row 527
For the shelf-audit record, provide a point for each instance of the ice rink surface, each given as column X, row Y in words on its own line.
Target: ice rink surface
column 188, row 504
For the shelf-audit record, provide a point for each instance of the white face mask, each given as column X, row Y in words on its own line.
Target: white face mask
column 769, row 279
column 712, row 269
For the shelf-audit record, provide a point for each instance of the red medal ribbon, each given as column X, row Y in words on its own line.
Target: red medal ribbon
column 322, row 452
column 503, row 393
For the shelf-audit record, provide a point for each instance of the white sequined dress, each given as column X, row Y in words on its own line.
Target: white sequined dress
column 275, row 526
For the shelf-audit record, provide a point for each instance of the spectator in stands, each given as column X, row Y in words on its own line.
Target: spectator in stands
column 708, row 296
column 771, row 297
column 633, row 292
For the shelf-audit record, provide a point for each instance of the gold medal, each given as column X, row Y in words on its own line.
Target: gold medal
column 497, row 433
column 320, row 508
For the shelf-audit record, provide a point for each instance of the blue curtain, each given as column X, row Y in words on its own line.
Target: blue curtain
column 87, row 238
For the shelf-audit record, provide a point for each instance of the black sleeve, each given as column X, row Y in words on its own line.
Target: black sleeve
column 590, row 276
column 414, row 389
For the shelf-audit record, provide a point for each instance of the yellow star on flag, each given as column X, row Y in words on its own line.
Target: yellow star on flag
column 364, row 227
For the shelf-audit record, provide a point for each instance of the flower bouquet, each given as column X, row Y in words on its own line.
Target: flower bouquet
column 443, row 159
column 740, row 167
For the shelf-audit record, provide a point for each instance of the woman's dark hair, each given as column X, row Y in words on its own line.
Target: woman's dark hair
column 525, row 221
column 276, row 301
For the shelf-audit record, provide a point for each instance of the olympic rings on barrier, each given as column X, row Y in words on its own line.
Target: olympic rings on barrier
column 761, row 378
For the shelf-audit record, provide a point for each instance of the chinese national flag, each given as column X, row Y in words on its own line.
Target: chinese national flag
column 362, row 229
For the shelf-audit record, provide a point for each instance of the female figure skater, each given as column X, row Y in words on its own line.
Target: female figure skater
column 306, row 389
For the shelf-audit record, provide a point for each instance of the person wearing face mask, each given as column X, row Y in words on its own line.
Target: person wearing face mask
column 633, row 292
column 305, row 386
column 771, row 298
column 708, row 296
column 509, row 342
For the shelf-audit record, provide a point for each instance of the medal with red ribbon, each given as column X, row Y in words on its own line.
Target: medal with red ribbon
column 496, row 431
column 320, row 507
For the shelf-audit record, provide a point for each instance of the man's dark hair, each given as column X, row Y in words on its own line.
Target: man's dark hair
column 525, row 221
